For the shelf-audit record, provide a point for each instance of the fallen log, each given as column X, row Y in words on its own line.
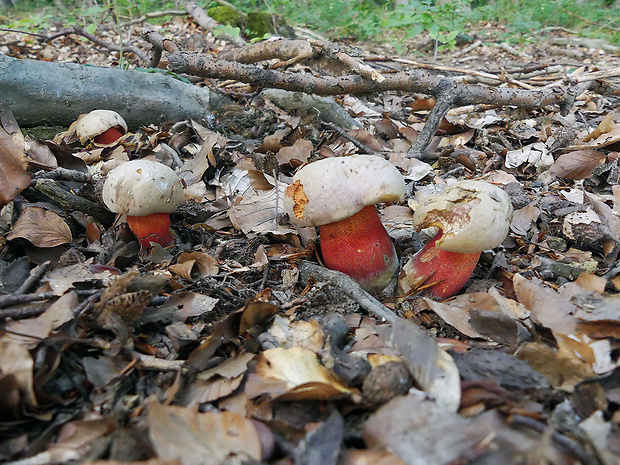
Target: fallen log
column 45, row 93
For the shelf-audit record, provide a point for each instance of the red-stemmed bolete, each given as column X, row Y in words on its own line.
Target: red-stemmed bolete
column 146, row 191
column 339, row 195
column 103, row 127
column 471, row 216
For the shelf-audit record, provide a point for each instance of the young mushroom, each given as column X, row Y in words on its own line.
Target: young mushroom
column 103, row 127
column 146, row 191
column 338, row 195
column 472, row 216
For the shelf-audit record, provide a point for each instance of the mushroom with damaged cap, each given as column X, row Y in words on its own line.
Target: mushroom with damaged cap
column 338, row 195
column 472, row 216
column 146, row 191
column 103, row 127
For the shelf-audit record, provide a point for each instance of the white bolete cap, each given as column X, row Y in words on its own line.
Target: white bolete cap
column 333, row 189
column 142, row 187
column 96, row 123
column 473, row 215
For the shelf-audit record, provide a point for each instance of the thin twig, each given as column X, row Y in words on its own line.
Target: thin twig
column 15, row 299
column 349, row 287
column 34, row 277
column 360, row 145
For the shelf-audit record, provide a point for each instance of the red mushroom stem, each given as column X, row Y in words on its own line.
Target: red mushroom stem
column 360, row 247
column 151, row 228
column 440, row 272
column 110, row 136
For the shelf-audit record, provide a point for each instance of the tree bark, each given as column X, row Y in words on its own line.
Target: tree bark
column 44, row 93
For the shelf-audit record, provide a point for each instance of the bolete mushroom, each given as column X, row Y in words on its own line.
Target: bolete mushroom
column 472, row 216
column 103, row 127
column 146, row 191
column 338, row 195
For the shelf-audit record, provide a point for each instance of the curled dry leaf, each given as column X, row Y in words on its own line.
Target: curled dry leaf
column 295, row 374
column 192, row 264
column 42, row 227
column 606, row 125
column 13, row 175
column 536, row 154
column 193, row 438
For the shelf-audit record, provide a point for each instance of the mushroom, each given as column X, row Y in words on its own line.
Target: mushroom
column 103, row 127
column 472, row 216
column 146, row 191
column 338, row 195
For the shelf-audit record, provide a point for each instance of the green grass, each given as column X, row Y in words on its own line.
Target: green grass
column 373, row 20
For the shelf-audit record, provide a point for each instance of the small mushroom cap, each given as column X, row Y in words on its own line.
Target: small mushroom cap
column 142, row 187
column 97, row 122
column 473, row 215
column 333, row 189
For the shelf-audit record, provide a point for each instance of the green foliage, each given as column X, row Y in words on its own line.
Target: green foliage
column 591, row 18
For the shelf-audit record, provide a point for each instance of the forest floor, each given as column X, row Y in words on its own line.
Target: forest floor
column 235, row 346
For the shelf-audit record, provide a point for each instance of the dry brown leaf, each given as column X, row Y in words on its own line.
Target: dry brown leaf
column 368, row 457
column 16, row 371
column 260, row 212
column 219, row 381
column 193, row 438
column 366, row 138
column 255, row 312
column 41, row 327
column 546, row 306
column 13, row 175
column 294, row 374
column 273, row 142
column 60, row 280
column 607, row 138
column 457, row 311
column 188, row 304
column 77, row 438
column 192, row 265
column 606, row 125
column 578, row 164
column 42, row 227
column 423, row 432
column 563, row 369
column 299, row 151
column 201, row 391
column 524, row 218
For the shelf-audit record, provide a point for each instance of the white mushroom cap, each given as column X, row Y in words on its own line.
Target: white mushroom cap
column 142, row 187
column 473, row 215
column 97, row 122
column 333, row 189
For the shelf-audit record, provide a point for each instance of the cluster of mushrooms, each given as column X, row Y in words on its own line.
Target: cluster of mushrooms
column 337, row 195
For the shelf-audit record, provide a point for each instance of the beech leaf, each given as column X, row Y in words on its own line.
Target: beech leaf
column 42, row 227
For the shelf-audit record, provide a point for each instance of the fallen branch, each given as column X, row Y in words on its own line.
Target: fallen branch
column 447, row 92
column 44, row 93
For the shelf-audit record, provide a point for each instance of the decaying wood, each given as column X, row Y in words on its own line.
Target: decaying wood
column 45, row 93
